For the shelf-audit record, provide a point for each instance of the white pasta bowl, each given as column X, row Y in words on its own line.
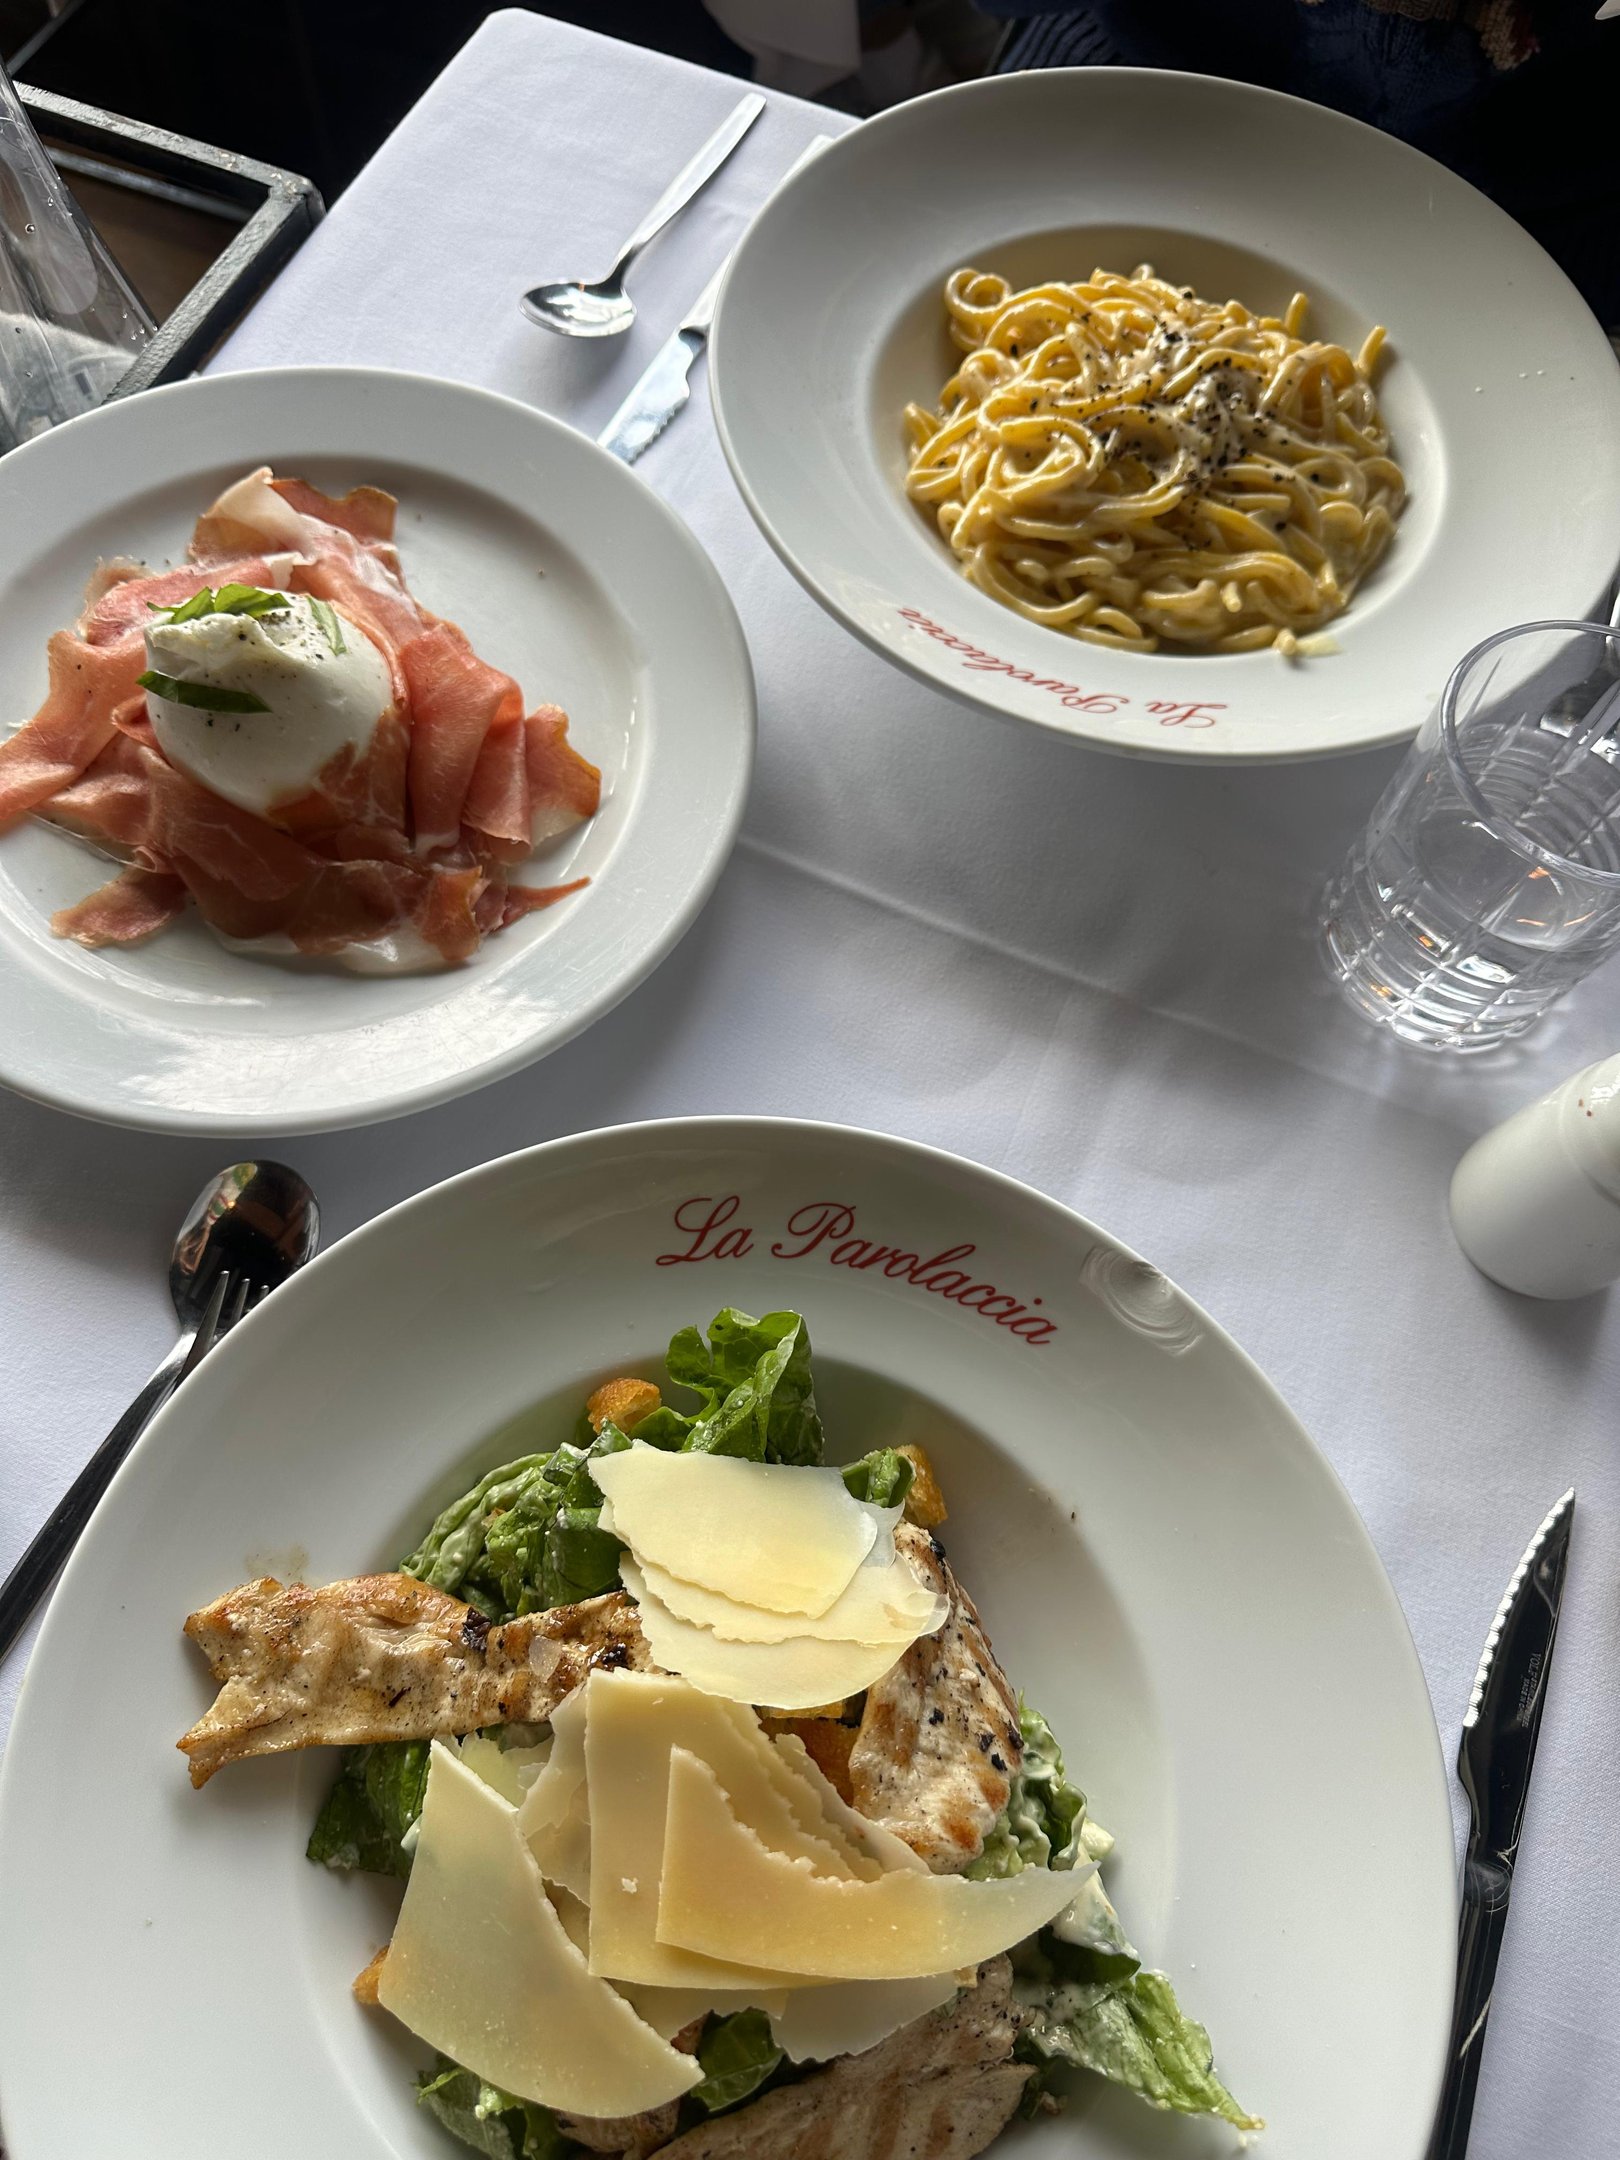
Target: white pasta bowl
column 1500, row 389
column 1168, row 1568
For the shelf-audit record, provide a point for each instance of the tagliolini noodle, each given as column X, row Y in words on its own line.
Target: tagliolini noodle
column 1137, row 466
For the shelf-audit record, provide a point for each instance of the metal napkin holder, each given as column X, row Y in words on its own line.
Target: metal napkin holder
column 274, row 212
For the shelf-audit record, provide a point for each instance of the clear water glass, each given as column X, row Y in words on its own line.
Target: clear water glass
column 69, row 322
column 1488, row 881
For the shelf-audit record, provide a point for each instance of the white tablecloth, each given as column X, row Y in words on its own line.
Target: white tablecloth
column 1089, row 972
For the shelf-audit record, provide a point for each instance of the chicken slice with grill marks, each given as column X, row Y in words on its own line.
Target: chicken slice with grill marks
column 631, row 2137
column 941, row 2088
column 939, row 1738
column 384, row 1657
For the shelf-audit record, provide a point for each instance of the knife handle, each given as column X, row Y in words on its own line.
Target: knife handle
column 1487, row 1885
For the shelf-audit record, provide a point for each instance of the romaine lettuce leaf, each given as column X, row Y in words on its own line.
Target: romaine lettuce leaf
column 492, row 2122
column 883, row 1477
column 453, row 1548
column 1043, row 1821
column 752, row 1381
column 548, row 1547
column 526, row 1537
column 736, row 2054
column 1134, row 2034
column 376, row 1800
column 1087, row 2001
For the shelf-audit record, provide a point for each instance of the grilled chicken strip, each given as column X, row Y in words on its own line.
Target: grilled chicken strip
column 632, row 2137
column 942, row 2088
column 385, row 1657
column 939, row 1736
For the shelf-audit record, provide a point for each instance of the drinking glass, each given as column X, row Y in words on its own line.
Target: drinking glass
column 69, row 323
column 1488, row 881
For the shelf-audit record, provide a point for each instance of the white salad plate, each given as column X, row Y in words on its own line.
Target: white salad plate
column 1500, row 389
column 1169, row 1569
column 564, row 569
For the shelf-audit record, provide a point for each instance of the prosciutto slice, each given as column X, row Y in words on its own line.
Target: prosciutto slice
column 92, row 677
column 457, row 704
column 134, row 906
column 420, row 832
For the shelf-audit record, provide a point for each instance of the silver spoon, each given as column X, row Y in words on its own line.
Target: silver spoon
column 604, row 309
column 246, row 1232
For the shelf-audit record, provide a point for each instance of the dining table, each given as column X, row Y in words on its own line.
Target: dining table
column 1094, row 973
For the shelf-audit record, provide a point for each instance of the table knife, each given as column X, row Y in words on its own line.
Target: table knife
column 1494, row 1761
column 666, row 386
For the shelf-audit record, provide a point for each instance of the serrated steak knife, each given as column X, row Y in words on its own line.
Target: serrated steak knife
column 1493, row 1765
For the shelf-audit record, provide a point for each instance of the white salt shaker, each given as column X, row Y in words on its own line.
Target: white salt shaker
column 1536, row 1203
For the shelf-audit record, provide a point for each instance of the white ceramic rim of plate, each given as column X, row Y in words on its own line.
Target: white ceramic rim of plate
column 1478, row 548
column 578, row 1182
column 688, row 657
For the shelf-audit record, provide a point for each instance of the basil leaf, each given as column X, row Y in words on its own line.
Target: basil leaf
column 201, row 695
column 200, row 603
column 248, row 600
column 326, row 619
column 229, row 600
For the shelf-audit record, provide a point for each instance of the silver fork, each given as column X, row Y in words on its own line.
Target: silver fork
column 245, row 1233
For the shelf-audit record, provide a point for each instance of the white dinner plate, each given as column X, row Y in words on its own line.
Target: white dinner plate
column 1499, row 386
column 563, row 568
column 1169, row 1569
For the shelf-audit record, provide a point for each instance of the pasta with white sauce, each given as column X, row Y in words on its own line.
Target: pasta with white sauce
column 1134, row 465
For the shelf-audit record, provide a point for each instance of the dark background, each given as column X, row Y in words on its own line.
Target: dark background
column 312, row 85
column 315, row 85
